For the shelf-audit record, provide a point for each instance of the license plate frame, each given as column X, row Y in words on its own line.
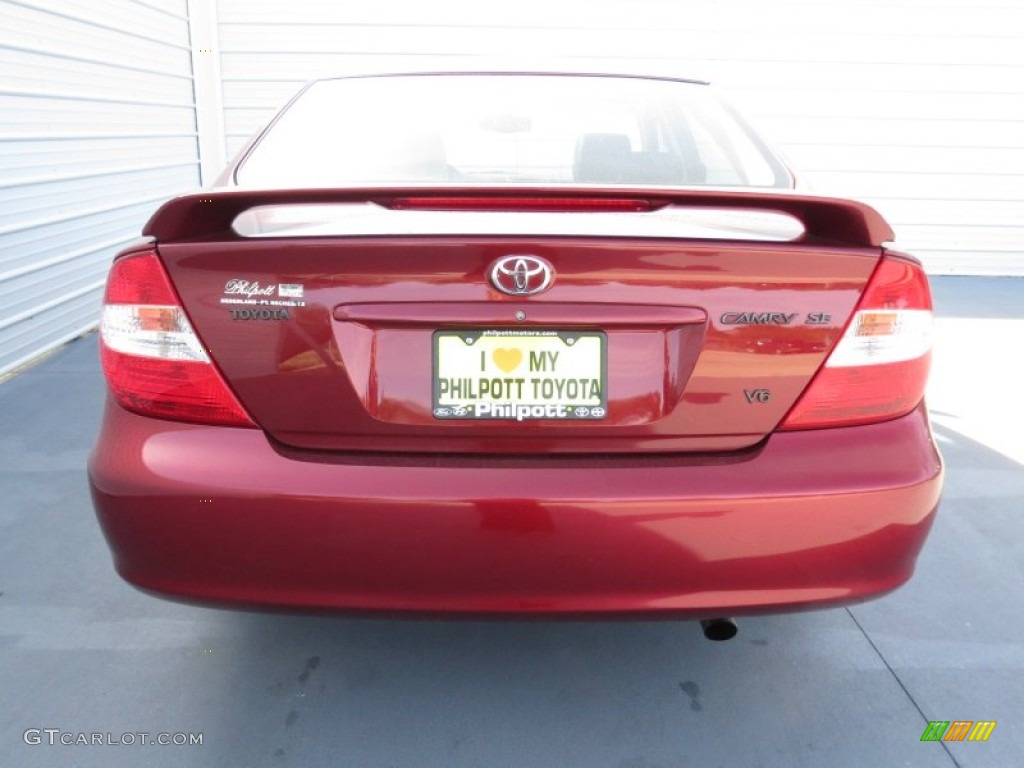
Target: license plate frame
column 484, row 374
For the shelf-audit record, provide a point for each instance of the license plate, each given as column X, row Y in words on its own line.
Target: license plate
column 520, row 374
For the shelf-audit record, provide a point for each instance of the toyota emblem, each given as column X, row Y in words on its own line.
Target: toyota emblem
column 521, row 275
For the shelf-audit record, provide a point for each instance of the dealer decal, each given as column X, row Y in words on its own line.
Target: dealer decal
column 253, row 300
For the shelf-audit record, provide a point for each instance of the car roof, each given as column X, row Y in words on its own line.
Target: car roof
column 520, row 71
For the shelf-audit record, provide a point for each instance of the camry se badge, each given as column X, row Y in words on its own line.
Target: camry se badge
column 521, row 275
column 757, row 318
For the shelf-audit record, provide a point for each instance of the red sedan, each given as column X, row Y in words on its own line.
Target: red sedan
column 515, row 344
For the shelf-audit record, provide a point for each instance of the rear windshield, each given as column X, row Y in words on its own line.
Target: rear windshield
column 509, row 129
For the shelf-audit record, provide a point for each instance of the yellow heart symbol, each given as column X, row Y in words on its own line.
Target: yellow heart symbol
column 507, row 359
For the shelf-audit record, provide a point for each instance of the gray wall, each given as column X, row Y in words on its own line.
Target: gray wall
column 97, row 127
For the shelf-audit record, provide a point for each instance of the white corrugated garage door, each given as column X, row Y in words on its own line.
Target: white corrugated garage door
column 916, row 106
column 97, row 126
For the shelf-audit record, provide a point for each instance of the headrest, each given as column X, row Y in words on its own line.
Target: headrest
column 602, row 158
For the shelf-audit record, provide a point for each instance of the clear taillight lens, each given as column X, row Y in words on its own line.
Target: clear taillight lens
column 879, row 368
column 153, row 360
column 151, row 331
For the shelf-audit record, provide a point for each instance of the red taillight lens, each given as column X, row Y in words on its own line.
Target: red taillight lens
column 525, row 203
column 879, row 368
column 153, row 361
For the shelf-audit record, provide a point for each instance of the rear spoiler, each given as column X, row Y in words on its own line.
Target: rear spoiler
column 209, row 215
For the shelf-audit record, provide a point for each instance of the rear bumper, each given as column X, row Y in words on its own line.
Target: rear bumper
column 808, row 519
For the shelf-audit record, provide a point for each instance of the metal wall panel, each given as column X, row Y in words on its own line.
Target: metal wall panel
column 916, row 106
column 97, row 126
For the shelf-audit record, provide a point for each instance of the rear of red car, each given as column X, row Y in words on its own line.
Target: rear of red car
column 450, row 392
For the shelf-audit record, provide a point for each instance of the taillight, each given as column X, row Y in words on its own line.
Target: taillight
column 879, row 368
column 154, row 362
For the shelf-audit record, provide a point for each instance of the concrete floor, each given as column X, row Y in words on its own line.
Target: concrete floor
column 82, row 652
